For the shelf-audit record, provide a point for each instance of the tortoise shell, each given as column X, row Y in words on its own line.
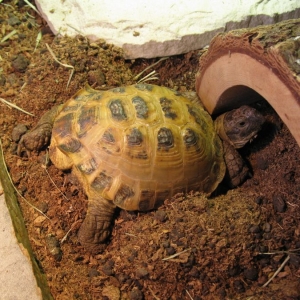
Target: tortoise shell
column 137, row 145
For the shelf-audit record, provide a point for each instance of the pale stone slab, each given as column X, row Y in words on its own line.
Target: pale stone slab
column 16, row 274
column 159, row 28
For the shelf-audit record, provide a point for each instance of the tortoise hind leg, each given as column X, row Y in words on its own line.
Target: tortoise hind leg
column 97, row 224
column 237, row 170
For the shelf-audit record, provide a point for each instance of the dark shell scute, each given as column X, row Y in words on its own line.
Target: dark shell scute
column 117, row 110
column 142, row 155
column 70, row 108
column 63, row 125
column 161, row 196
column 108, row 137
column 177, row 93
column 197, row 117
column 98, row 96
column 135, row 138
column 146, row 200
column 87, row 167
column 165, row 138
column 119, row 90
column 71, row 145
column 140, row 107
column 86, row 120
column 80, row 98
column 102, row 181
column 190, row 138
column 144, row 87
column 122, row 194
column 166, row 105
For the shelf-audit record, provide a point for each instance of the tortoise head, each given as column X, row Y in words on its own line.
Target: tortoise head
column 239, row 126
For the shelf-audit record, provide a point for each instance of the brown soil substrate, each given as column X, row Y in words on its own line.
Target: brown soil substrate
column 231, row 244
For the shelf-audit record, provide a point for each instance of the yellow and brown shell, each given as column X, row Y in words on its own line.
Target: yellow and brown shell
column 137, row 145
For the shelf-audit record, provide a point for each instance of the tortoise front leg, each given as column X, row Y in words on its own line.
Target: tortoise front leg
column 40, row 135
column 237, row 170
column 97, row 224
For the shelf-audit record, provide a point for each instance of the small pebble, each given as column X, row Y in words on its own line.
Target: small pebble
column 194, row 272
column 44, row 30
column 136, row 294
column 222, row 293
column 264, row 262
column 111, row 292
column 239, row 286
column 107, row 268
column 2, row 80
column 132, row 256
column 160, row 216
column 263, row 249
column 21, row 63
column 93, row 272
column 53, row 246
column 22, row 189
column 190, row 262
column 13, row 20
column 211, row 245
column 38, row 221
column 262, row 280
column 233, row 271
column 267, row 227
column 295, row 260
column 22, row 36
column 170, row 251
column 254, row 229
column 96, row 77
column 267, row 235
column 12, row 79
column 122, row 277
column 251, row 273
column 262, row 162
column 259, row 200
column 141, row 272
column 279, row 204
column 43, row 206
column 166, row 244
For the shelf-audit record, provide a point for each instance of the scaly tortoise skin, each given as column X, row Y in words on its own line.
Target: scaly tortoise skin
column 135, row 146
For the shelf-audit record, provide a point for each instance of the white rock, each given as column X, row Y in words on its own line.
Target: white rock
column 16, row 275
column 156, row 28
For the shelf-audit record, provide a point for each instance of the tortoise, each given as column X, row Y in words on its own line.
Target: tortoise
column 135, row 146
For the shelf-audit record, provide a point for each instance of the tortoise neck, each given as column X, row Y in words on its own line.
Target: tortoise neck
column 220, row 129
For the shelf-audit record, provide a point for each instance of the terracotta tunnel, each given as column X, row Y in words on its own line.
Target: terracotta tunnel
column 243, row 63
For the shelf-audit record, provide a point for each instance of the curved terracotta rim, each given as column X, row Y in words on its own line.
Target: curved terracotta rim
column 227, row 81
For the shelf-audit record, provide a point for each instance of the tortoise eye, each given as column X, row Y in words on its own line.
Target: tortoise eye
column 242, row 123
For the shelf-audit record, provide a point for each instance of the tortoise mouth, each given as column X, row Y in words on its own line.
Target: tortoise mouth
column 243, row 141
